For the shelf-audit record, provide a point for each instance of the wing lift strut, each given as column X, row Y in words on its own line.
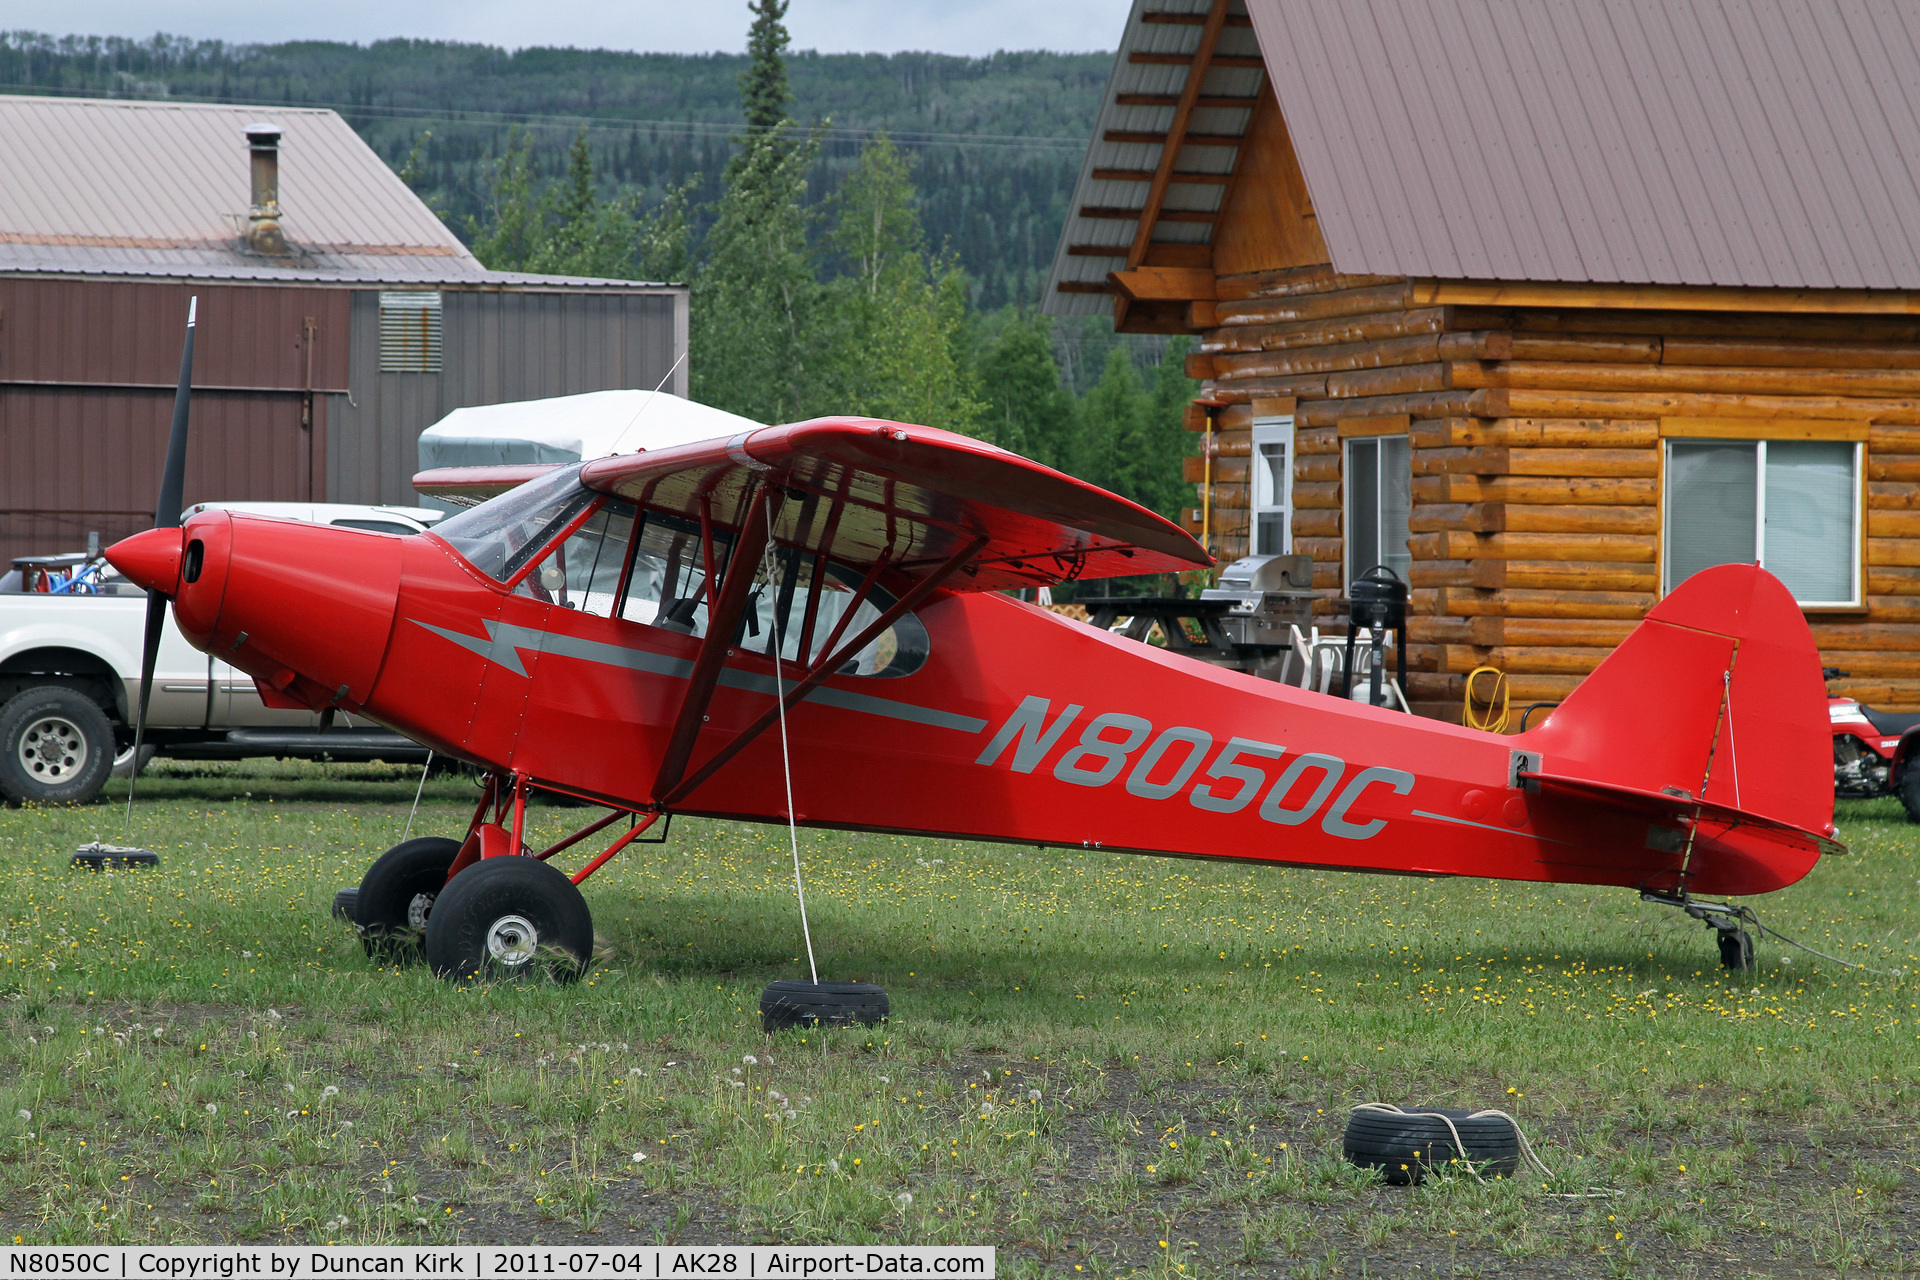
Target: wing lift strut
column 498, row 825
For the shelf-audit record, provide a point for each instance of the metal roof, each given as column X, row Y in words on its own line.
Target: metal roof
column 1701, row 142
column 103, row 187
column 1113, row 150
column 1751, row 143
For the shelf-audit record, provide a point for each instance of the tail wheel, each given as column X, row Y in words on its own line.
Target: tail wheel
column 510, row 918
column 397, row 896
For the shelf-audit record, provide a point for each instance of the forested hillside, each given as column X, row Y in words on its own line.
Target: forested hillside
column 998, row 140
column 863, row 234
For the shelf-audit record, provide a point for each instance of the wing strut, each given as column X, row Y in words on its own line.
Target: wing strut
column 669, row 793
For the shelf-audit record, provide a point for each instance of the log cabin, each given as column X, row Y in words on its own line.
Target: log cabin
column 1544, row 306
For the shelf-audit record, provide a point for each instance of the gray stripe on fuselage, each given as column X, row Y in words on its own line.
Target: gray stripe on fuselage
column 1486, row 826
column 505, row 640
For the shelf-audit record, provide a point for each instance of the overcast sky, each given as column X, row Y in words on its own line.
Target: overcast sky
column 678, row 26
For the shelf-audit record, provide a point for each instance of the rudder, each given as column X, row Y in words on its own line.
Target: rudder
column 1718, row 693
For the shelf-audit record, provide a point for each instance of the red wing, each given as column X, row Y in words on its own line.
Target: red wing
column 864, row 486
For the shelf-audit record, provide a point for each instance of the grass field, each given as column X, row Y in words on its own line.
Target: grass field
column 1100, row 1064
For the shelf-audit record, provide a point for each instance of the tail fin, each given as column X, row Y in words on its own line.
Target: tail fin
column 1716, row 696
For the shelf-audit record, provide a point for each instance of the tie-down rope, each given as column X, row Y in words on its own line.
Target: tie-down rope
column 786, row 763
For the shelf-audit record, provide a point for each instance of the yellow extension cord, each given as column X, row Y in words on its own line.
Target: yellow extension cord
column 1489, row 722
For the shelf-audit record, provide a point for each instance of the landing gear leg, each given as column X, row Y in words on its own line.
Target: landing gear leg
column 1724, row 918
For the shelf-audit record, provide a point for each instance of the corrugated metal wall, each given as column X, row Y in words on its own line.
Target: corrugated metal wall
column 123, row 332
column 74, row 459
column 498, row 346
column 87, row 370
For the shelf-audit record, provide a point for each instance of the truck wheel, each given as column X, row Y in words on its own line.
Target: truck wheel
column 510, row 917
column 398, row 893
column 123, row 766
column 56, row 747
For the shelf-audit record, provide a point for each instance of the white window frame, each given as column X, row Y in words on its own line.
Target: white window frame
column 1352, row 570
column 1854, row 557
column 1270, row 431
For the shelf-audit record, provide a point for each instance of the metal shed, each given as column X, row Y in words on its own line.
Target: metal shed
column 338, row 316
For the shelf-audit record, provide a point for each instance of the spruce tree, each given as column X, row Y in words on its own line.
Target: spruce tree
column 756, row 298
column 765, row 95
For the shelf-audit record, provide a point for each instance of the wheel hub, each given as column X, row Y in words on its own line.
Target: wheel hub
column 52, row 749
column 512, row 941
column 418, row 908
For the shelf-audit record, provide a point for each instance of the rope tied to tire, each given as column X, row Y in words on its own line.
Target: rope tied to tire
column 1461, row 1150
column 790, row 1002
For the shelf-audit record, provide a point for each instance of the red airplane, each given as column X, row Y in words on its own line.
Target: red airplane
column 607, row 631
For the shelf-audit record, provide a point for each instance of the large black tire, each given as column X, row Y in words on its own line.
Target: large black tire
column 346, row 904
column 398, row 894
column 1407, row 1147
column 510, row 917
column 56, row 747
column 795, row 1002
column 1908, row 789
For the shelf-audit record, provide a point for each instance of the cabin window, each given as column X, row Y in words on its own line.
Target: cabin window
column 798, row 579
column 582, row 571
column 502, row 534
column 668, row 587
column 1379, row 491
column 1793, row 506
column 1270, row 475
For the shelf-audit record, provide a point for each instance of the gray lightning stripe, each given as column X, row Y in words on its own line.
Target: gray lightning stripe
column 505, row 640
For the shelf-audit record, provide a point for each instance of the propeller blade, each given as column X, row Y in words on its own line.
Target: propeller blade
column 173, row 478
column 166, row 515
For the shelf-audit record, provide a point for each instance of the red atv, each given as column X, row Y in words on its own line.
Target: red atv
column 1872, row 751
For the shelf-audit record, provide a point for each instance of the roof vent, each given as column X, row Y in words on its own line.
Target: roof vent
column 263, row 219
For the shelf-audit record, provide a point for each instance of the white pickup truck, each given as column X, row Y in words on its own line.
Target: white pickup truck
column 70, row 678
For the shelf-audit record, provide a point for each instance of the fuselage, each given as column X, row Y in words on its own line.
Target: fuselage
column 1017, row 725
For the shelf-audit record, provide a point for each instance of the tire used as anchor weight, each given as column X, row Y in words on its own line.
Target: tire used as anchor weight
column 1407, row 1145
column 510, row 917
column 397, row 896
column 795, row 1002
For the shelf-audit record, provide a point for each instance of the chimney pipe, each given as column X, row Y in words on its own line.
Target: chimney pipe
column 263, row 218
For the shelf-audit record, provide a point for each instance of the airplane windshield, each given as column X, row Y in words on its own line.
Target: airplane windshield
column 501, row 534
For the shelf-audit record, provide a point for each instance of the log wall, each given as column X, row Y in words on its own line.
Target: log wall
column 1536, row 443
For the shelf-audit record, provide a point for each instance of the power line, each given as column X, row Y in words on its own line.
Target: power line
column 689, row 128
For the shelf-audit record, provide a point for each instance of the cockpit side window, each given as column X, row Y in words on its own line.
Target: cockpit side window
column 582, row 570
column 803, row 585
column 668, row 586
column 500, row 535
